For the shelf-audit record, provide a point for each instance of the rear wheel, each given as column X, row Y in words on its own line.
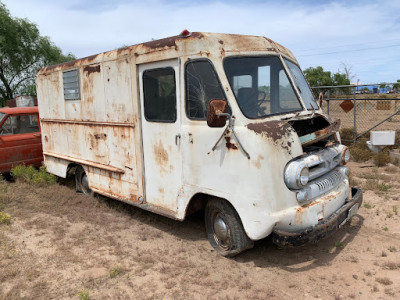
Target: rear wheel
column 82, row 182
column 224, row 228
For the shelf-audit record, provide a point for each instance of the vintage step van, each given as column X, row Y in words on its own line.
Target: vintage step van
column 220, row 122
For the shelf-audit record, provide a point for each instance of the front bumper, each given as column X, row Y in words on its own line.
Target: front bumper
column 324, row 228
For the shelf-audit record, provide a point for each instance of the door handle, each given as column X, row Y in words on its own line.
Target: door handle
column 177, row 137
column 37, row 134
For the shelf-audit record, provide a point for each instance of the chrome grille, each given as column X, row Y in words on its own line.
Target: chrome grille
column 324, row 183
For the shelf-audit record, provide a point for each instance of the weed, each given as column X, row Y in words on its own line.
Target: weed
column 395, row 210
column 391, row 265
column 347, row 134
column 368, row 205
column 360, row 155
column 389, row 292
column 33, row 176
column 392, row 249
column 384, row 187
column 389, row 214
column 83, row 295
column 4, row 218
column 381, row 159
column 339, row 244
column 117, row 270
column 383, row 280
column 385, row 229
column 392, row 169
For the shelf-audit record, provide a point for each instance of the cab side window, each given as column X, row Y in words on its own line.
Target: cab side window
column 20, row 124
column 159, row 90
column 202, row 85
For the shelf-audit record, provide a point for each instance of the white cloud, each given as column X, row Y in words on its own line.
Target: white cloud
column 88, row 27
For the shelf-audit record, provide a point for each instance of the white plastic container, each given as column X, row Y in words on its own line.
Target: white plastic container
column 382, row 138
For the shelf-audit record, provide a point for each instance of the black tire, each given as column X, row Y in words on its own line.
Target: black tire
column 81, row 182
column 224, row 228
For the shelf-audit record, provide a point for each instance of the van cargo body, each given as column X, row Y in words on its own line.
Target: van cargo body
column 224, row 123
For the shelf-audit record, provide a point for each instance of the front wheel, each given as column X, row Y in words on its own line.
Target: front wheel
column 81, row 182
column 224, row 228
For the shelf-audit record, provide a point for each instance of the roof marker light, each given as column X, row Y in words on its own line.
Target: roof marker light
column 185, row 33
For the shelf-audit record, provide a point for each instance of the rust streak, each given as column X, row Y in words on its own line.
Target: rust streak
column 161, row 155
column 273, row 129
column 229, row 145
column 91, row 69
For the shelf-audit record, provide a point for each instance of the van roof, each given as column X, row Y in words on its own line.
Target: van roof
column 207, row 44
column 19, row 110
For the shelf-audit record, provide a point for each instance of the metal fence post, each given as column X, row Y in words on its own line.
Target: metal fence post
column 355, row 115
column 327, row 100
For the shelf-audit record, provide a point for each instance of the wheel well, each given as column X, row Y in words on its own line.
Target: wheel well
column 198, row 203
column 71, row 170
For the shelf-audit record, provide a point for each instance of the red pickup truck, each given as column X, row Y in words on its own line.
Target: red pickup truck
column 20, row 140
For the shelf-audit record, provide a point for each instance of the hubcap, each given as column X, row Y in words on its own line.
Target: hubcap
column 221, row 229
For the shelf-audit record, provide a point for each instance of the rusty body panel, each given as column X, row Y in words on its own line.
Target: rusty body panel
column 162, row 166
column 20, row 142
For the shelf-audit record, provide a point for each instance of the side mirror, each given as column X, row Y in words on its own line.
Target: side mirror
column 217, row 113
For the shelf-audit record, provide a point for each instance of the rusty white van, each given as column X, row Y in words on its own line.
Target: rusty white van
column 220, row 122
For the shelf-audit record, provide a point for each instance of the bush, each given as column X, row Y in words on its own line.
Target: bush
column 33, row 176
column 381, row 159
column 360, row 155
column 347, row 134
column 4, row 218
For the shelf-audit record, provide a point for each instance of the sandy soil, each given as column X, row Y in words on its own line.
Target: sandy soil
column 63, row 245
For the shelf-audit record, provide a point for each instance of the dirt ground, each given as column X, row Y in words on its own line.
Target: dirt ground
column 63, row 245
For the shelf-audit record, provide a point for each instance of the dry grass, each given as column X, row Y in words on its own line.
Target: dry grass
column 391, row 265
column 60, row 243
column 384, row 280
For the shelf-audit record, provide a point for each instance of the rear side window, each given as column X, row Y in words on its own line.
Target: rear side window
column 159, row 95
column 20, row 124
column 71, row 85
column 202, row 85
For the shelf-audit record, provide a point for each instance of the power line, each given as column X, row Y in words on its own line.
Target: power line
column 355, row 50
column 347, row 45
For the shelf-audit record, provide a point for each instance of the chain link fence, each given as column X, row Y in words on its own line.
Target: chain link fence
column 361, row 112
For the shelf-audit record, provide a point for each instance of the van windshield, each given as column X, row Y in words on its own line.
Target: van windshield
column 301, row 85
column 261, row 86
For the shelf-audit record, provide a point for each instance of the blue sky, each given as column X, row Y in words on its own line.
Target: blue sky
column 363, row 35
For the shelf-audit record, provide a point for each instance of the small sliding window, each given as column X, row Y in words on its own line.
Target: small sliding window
column 71, row 85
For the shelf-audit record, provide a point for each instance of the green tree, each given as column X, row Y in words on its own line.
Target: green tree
column 23, row 51
column 383, row 85
column 318, row 77
column 396, row 86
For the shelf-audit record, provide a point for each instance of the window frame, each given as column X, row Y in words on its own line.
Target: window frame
column 277, row 91
column 191, row 60
column 144, row 96
column 78, row 97
column 9, row 118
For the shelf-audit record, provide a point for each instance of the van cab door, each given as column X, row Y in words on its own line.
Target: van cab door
column 161, row 123
column 20, row 142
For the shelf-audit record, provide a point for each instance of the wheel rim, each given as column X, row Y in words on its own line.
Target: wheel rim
column 221, row 231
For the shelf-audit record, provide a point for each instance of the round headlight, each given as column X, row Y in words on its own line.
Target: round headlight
column 345, row 156
column 304, row 176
